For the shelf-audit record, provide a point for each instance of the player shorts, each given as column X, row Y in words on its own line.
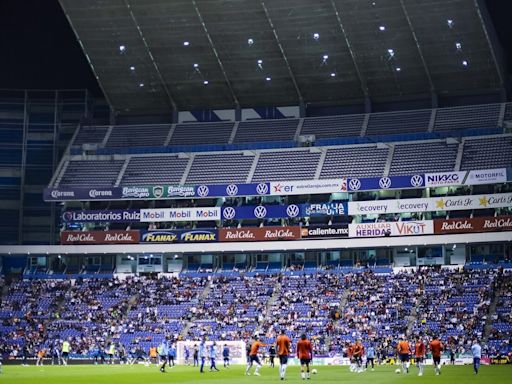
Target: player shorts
column 65, row 354
column 226, row 358
column 163, row 357
column 419, row 359
column 305, row 361
column 254, row 359
column 437, row 359
column 404, row 357
column 283, row 359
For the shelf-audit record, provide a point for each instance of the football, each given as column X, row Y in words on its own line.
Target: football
column 314, row 371
column 397, row 370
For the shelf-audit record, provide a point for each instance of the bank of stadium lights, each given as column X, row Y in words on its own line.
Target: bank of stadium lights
column 382, row 28
column 450, row 23
column 206, row 82
column 141, row 85
column 465, row 63
column 250, row 41
column 260, row 64
column 333, row 74
column 458, row 46
column 391, row 53
column 132, row 68
column 398, row 69
column 268, row 78
column 122, row 48
column 324, row 59
column 316, row 36
column 186, row 43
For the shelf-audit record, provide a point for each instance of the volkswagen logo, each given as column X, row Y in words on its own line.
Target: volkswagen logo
column 416, row 181
column 292, row 210
column 262, row 189
column 385, row 182
column 203, row 191
column 354, row 184
column 231, row 189
column 260, row 212
column 229, row 213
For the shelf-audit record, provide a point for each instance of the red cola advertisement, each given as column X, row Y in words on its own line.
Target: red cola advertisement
column 259, row 234
column 477, row 224
column 99, row 237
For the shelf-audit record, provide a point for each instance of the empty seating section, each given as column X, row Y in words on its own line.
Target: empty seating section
column 266, row 130
column 476, row 116
column 508, row 112
column 98, row 173
column 220, row 168
column 423, row 157
column 286, row 165
column 201, row 133
column 360, row 161
column 333, row 126
column 138, row 136
column 485, row 153
column 147, row 170
column 90, row 135
column 391, row 123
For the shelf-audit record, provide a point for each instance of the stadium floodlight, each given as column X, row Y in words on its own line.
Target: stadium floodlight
column 196, row 65
column 122, row 48
column 268, row 78
column 186, row 43
column 465, row 63
column 141, row 85
column 250, row 41
column 205, row 82
column 391, row 53
column 450, row 23
column 382, row 28
column 458, row 46
column 333, row 74
column 316, row 36
column 325, row 57
column 398, row 69
column 132, row 68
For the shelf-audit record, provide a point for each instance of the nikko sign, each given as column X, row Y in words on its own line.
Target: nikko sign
column 449, row 203
column 179, row 214
column 444, row 179
column 395, row 228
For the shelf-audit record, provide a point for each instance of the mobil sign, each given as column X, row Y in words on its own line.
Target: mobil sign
column 444, row 179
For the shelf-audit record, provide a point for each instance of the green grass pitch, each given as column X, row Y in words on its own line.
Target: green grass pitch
column 121, row 374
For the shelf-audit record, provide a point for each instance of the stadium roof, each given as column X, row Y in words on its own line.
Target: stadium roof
column 156, row 56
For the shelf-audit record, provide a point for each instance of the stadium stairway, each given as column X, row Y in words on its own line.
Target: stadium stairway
column 270, row 302
column 498, row 291
column 413, row 318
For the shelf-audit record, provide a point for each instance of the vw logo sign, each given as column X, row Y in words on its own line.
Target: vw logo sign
column 354, row 184
column 229, row 213
column 416, row 181
column 260, row 212
column 385, row 182
column 203, row 191
column 292, row 210
column 231, row 189
column 262, row 189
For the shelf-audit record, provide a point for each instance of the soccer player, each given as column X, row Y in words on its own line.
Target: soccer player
column 304, row 354
column 213, row 355
column 283, row 343
column 404, row 350
column 40, row 356
column 56, row 353
column 172, row 355
column 350, row 355
column 122, row 354
column 436, row 347
column 163, row 351
column 370, row 357
column 419, row 354
column 476, row 350
column 358, row 353
column 253, row 357
column 196, row 356
column 272, row 355
column 202, row 355
column 65, row 351
column 187, row 355
column 225, row 355
column 111, row 353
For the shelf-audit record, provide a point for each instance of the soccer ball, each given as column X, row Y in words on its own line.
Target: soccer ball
column 314, row 371
column 397, row 370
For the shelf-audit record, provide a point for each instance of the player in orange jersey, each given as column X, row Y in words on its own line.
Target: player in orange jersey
column 304, row 354
column 404, row 351
column 358, row 356
column 253, row 356
column 350, row 355
column 436, row 347
column 283, row 343
column 419, row 354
